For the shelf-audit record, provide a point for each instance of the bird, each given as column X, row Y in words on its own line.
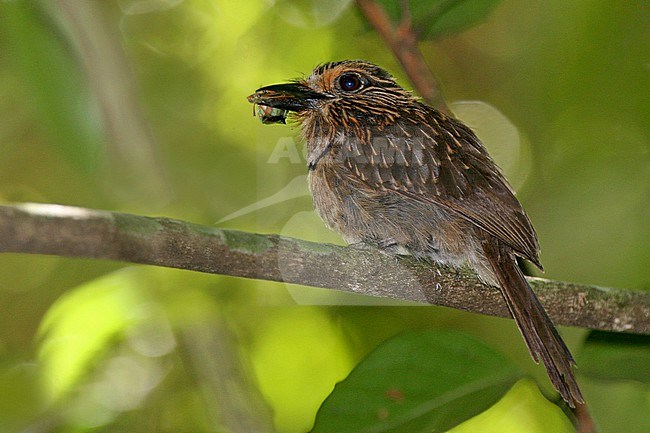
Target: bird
column 388, row 171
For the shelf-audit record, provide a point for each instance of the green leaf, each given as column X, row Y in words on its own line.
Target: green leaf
column 433, row 19
column 616, row 356
column 615, row 371
column 523, row 405
column 80, row 325
column 417, row 382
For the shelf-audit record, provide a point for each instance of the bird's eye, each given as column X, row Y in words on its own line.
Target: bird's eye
column 350, row 82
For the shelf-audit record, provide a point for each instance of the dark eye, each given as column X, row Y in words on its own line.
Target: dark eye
column 350, row 82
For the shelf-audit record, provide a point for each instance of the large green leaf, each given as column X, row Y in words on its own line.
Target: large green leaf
column 616, row 356
column 417, row 382
column 615, row 371
column 82, row 323
column 435, row 18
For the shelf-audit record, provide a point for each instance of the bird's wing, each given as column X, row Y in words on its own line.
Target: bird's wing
column 443, row 162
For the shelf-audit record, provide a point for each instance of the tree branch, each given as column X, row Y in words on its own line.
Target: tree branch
column 77, row 232
column 403, row 42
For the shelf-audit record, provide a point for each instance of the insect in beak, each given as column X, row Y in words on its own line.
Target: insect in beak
column 269, row 115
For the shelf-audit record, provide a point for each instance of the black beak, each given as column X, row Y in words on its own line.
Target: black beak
column 290, row 97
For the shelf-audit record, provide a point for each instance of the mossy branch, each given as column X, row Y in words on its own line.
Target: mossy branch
column 78, row 232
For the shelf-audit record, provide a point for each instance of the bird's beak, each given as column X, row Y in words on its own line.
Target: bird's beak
column 289, row 96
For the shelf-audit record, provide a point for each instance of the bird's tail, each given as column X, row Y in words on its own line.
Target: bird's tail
column 541, row 337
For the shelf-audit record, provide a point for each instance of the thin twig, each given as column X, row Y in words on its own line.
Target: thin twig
column 403, row 42
column 78, row 232
column 583, row 420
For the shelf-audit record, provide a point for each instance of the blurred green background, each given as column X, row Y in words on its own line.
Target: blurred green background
column 140, row 106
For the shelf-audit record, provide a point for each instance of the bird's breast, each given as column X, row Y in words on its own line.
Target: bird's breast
column 335, row 196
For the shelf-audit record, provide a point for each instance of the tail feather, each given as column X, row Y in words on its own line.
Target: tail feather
column 541, row 337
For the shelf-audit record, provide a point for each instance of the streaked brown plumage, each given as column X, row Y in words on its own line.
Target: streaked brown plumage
column 390, row 171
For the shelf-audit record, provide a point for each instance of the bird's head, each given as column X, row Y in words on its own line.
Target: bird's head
column 348, row 93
